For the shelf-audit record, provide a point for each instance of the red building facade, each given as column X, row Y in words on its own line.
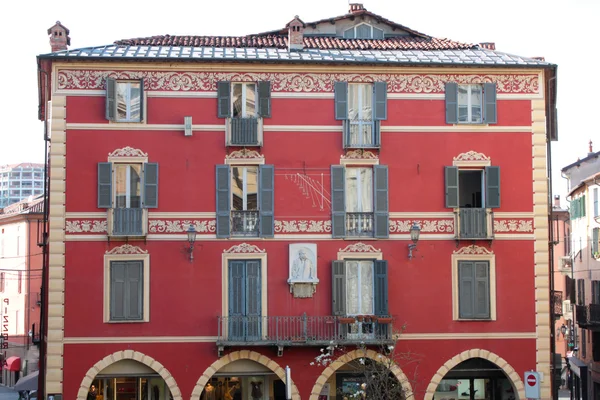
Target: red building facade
column 302, row 167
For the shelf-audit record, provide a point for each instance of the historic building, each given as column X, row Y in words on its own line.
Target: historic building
column 224, row 207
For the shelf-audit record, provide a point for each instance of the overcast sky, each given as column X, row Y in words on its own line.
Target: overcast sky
column 564, row 32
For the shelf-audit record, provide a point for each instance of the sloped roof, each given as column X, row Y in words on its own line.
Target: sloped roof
column 34, row 205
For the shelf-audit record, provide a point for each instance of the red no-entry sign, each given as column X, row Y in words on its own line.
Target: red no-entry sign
column 532, row 385
column 531, row 380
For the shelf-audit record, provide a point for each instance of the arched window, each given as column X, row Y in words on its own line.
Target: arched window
column 363, row 31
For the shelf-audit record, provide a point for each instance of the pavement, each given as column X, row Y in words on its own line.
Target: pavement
column 7, row 393
column 562, row 395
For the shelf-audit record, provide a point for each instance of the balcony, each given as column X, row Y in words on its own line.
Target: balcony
column 359, row 224
column 244, row 132
column 588, row 316
column 244, row 223
column 127, row 222
column 361, row 134
column 303, row 330
column 557, row 301
column 473, row 223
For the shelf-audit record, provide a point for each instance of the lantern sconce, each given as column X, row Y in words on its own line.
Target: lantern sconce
column 415, row 231
column 191, row 236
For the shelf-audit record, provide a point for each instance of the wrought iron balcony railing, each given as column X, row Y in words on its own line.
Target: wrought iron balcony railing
column 359, row 224
column 244, row 223
column 128, row 222
column 588, row 316
column 244, row 132
column 473, row 223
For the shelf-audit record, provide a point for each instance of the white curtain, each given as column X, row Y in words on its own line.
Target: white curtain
column 359, row 190
column 360, row 113
column 359, row 287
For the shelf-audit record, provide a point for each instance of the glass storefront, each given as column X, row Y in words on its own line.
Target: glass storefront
column 130, row 388
column 251, row 387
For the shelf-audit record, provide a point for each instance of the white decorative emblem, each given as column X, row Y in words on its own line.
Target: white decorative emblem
column 473, row 250
column 302, row 226
column 179, row 226
column 360, row 248
column 513, row 225
column 360, row 155
column 86, row 226
column 128, row 152
column 244, row 154
column 471, row 156
column 127, row 249
column 244, row 248
column 427, row 226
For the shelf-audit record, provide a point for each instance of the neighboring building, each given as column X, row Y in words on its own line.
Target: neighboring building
column 301, row 157
column 584, row 185
column 20, row 286
column 19, row 181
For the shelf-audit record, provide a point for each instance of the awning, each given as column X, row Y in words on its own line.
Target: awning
column 29, row 382
column 13, row 363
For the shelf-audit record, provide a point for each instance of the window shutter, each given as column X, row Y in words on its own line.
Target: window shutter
column 381, row 220
column 223, row 99
column 596, row 209
column 582, row 206
column 237, row 299
column 381, row 287
column 482, row 290
column 338, row 288
column 451, row 103
column 341, row 100
column 595, row 238
column 489, row 95
column 104, row 185
column 134, row 291
column 380, row 101
column 267, row 201
column 150, row 185
column 492, row 187
column 141, row 100
column 451, row 181
column 117, row 290
column 223, row 198
column 338, row 202
column 264, row 99
column 111, row 99
column 466, row 283
column 253, row 297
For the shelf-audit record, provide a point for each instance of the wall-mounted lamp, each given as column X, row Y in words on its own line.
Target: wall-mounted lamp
column 191, row 235
column 415, row 231
column 563, row 330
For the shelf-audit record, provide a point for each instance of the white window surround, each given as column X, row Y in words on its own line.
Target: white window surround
column 359, row 251
column 245, row 157
column 127, row 253
column 472, row 159
column 473, row 253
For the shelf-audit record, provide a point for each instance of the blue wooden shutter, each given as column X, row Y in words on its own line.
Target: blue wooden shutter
column 104, row 185
column 341, row 100
column 223, row 199
column 253, row 300
column 466, row 289
column 150, row 185
column 481, row 300
column 237, row 299
column 381, row 287
column 489, row 95
column 223, row 99
column 111, row 99
column 492, row 187
column 338, row 202
column 338, row 288
column 379, row 101
column 267, row 201
column 141, row 100
column 451, row 182
column 381, row 201
column 451, row 103
column 117, row 290
column 134, row 290
column 264, row 99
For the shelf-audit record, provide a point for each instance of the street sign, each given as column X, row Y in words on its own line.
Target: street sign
column 532, row 385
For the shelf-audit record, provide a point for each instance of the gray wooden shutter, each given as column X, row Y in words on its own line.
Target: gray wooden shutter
column 466, row 289
column 451, row 103
column 253, row 303
column 481, row 300
column 264, row 99
column 237, row 299
column 595, row 239
column 582, row 206
column 381, row 287
column 134, row 290
column 338, row 288
column 267, row 201
column 595, row 200
column 224, row 99
column 117, row 290
column 379, row 101
column 223, row 199
column 492, row 187
column 341, row 100
column 141, row 100
column 104, row 185
column 111, row 99
column 381, row 201
column 489, row 95
column 338, row 202
column 451, row 182
column 150, row 185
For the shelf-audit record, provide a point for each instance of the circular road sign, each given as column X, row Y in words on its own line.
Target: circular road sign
column 531, row 380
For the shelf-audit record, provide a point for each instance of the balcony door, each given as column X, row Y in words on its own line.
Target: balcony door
column 244, row 300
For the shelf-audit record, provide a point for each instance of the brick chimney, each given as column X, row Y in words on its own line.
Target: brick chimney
column 488, row 45
column 295, row 34
column 356, row 7
column 591, row 147
column 59, row 37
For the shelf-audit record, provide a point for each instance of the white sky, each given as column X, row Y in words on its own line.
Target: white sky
column 564, row 32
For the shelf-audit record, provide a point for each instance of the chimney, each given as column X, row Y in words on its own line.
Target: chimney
column 557, row 201
column 356, row 7
column 59, row 37
column 488, row 45
column 539, row 58
column 591, row 148
column 295, row 34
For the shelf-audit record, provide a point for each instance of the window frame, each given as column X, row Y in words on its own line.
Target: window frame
column 244, row 98
column 359, row 188
column 371, row 36
column 114, row 108
column 245, row 192
column 359, row 261
column 470, row 105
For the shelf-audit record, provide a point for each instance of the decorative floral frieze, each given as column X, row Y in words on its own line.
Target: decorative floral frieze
column 360, row 248
column 471, row 156
column 513, row 226
column 69, row 79
column 427, row 226
column 180, row 226
column 86, row 226
column 303, row 226
column 244, row 154
column 244, row 248
column 359, row 155
column 127, row 249
column 473, row 250
column 128, row 152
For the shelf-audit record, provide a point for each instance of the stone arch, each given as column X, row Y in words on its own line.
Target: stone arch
column 241, row 355
column 128, row 355
column 509, row 371
column 353, row 355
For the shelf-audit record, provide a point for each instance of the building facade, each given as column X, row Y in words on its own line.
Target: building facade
column 302, row 159
column 19, row 181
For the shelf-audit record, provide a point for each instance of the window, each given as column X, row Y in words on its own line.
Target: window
column 471, row 104
column 126, row 290
column 361, row 107
column 474, row 290
column 578, row 207
column 244, row 105
column 244, row 300
column 583, row 343
column 124, row 100
column 595, row 244
column 363, row 31
column 19, row 281
column 580, row 292
column 127, row 189
column 595, row 292
column 245, row 200
column 2, row 282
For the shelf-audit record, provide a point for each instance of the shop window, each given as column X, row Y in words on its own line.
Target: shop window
column 247, row 387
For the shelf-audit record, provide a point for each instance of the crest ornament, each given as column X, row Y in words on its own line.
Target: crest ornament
column 244, row 248
column 359, row 155
column 471, row 156
column 128, row 152
column 473, row 250
column 244, row 154
column 360, row 248
column 127, row 249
